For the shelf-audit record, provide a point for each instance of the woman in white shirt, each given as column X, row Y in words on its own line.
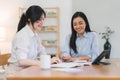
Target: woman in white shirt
column 82, row 43
column 26, row 46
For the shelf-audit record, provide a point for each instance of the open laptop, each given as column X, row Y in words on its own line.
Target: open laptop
column 100, row 57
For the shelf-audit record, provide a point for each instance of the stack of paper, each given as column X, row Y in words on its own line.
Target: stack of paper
column 83, row 62
column 66, row 65
column 71, row 64
column 70, row 67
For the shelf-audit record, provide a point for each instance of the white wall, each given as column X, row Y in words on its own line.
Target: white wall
column 102, row 13
column 9, row 17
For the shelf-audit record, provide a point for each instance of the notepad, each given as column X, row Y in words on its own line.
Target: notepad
column 66, row 65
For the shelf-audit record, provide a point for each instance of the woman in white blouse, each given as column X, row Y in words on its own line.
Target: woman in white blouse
column 26, row 44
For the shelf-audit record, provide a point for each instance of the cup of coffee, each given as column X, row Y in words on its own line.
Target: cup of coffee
column 45, row 62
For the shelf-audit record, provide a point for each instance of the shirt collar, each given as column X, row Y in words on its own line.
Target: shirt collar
column 84, row 35
column 31, row 33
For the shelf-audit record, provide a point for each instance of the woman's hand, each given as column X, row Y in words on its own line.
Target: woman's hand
column 87, row 58
column 55, row 60
column 67, row 58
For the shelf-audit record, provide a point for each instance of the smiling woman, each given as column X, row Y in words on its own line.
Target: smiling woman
column 82, row 44
column 26, row 46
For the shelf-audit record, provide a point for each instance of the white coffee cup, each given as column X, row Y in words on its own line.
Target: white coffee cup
column 45, row 62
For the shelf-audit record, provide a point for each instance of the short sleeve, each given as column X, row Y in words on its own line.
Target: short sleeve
column 20, row 47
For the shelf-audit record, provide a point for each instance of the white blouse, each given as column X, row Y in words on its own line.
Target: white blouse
column 26, row 45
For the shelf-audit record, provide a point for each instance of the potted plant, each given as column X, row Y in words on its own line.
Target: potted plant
column 106, row 35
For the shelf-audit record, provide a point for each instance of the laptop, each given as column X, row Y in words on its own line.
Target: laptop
column 100, row 57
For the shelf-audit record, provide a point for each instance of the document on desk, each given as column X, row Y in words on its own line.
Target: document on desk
column 71, row 64
column 66, row 65
column 70, row 67
column 83, row 62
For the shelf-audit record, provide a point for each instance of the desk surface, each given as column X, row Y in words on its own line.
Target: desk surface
column 93, row 72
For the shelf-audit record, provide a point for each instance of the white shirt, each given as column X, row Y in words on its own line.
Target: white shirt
column 26, row 45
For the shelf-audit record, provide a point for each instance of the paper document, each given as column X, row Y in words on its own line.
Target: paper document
column 83, row 62
column 66, row 65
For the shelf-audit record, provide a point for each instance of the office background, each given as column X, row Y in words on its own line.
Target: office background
column 100, row 13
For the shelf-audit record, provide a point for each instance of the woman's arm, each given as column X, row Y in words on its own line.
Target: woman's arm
column 87, row 58
column 28, row 62
column 68, row 58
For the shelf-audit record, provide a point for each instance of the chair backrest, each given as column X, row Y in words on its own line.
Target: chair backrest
column 4, row 59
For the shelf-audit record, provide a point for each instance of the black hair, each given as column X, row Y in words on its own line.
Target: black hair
column 32, row 14
column 72, row 43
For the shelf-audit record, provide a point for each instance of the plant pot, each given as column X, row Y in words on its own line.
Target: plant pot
column 107, row 46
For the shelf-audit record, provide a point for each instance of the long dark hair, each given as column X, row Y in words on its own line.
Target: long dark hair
column 73, row 37
column 32, row 14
